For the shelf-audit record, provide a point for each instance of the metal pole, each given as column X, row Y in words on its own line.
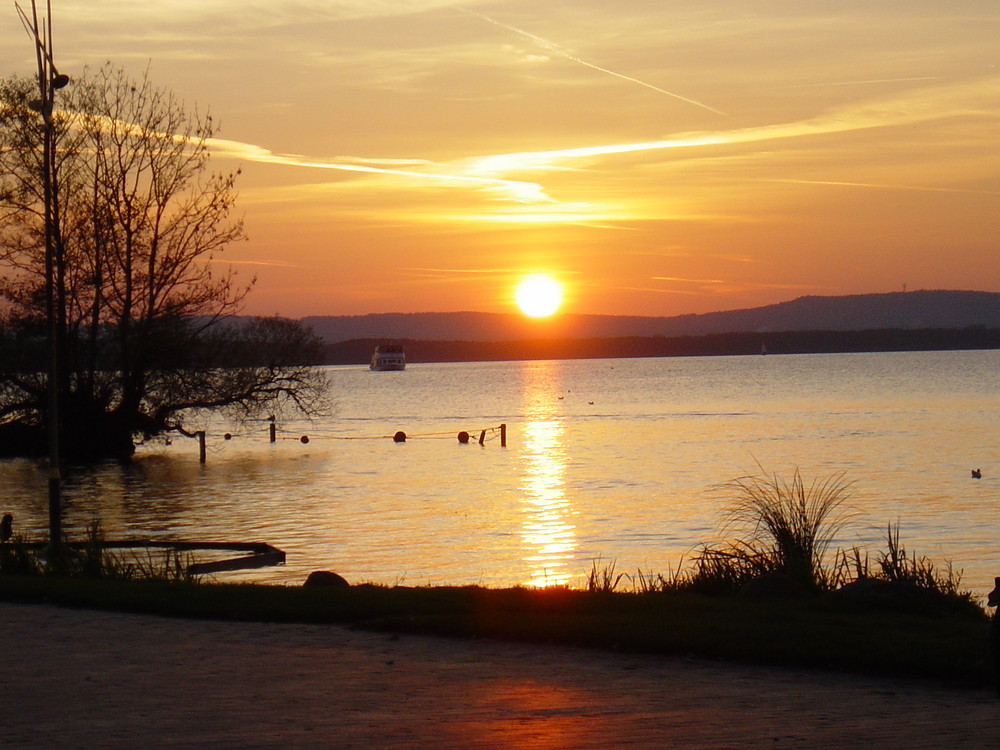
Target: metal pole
column 55, row 477
column 48, row 81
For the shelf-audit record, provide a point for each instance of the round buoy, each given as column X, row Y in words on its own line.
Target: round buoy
column 227, row 436
column 463, row 437
column 304, row 439
column 399, row 437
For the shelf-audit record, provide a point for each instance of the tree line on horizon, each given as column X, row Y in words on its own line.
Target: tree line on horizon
column 359, row 351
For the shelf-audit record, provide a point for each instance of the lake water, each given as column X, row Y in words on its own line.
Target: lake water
column 609, row 460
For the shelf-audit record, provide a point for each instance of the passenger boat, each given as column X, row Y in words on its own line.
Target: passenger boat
column 389, row 357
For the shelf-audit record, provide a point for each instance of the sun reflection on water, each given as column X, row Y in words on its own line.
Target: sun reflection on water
column 549, row 538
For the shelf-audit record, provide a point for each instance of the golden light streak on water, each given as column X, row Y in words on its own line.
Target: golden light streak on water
column 548, row 538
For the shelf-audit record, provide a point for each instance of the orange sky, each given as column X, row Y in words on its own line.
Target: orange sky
column 658, row 158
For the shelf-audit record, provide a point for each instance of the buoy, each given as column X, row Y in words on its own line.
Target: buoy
column 227, row 436
column 304, row 439
column 399, row 437
column 463, row 437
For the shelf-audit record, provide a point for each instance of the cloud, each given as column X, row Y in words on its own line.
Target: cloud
column 500, row 177
column 688, row 281
column 439, row 272
column 246, row 13
column 921, row 106
column 265, row 263
column 420, row 171
column 862, row 82
column 876, row 186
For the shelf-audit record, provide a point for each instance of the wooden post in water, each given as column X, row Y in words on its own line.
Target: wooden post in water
column 503, row 436
column 201, row 445
column 274, row 432
column 482, row 437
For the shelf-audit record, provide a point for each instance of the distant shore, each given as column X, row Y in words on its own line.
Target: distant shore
column 359, row 351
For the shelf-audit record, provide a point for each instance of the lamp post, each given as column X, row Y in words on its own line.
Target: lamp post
column 50, row 80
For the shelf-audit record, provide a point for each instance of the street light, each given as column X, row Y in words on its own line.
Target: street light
column 49, row 81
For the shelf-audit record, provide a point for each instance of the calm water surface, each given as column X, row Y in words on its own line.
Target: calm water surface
column 605, row 460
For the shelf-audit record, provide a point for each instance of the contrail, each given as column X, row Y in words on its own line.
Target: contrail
column 552, row 47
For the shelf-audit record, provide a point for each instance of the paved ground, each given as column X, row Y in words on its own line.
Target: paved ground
column 81, row 679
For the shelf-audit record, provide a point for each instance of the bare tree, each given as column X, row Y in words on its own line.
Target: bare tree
column 145, row 321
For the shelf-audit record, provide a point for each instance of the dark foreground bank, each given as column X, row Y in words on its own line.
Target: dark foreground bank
column 821, row 632
column 85, row 678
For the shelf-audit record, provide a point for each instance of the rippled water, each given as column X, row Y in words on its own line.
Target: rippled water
column 605, row 460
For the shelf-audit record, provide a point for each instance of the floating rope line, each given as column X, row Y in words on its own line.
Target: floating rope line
column 493, row 432
column 463, row 436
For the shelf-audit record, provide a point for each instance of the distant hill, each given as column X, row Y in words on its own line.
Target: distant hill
column 933, row 309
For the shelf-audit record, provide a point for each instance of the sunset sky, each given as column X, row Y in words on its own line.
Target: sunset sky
column 656, row 158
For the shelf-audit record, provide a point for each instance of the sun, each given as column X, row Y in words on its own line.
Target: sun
column 539, row 295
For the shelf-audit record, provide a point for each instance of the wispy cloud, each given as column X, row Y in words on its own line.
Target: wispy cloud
column 688, row 281
column 862, row 82
column 922, row 106
column 248, row 13
column 697, row 287
column 419, row 171
column 461, row 271
column 877, row 186
column 263, row 263
column 510, row 198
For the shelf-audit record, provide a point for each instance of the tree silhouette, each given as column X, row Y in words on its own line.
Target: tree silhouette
column 145, row 324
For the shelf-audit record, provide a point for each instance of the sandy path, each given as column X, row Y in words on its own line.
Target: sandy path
column 87, row 679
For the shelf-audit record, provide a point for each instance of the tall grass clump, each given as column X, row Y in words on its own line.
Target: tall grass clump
column 17, row 557
column 603, row 578
column 777, row 526
column 898, row 565
column 900, row 578
column 92, row 559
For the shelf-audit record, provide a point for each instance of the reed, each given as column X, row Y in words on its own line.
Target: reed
column 896, row 564
column 17, row 558
column 603, row 578
column 778, row 526
column 899, row 565
column 92, row 559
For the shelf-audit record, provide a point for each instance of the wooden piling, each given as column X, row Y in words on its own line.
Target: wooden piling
column 201, row 446
column 274, row 431
column 503, row 436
